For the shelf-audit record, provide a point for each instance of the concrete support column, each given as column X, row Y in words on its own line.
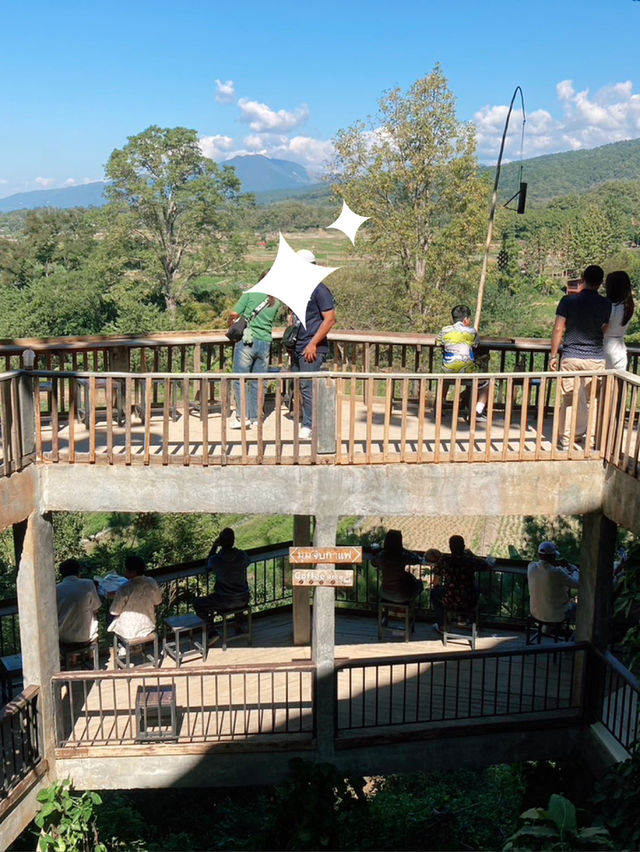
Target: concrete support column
column 593, row 620
column 36, row 587
column 301, row 595
column 323, row 643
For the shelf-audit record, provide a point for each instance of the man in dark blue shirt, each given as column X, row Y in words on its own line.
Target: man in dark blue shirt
column 581, row 319
column 312, row 345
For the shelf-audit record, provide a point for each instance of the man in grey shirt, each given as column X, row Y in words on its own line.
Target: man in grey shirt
column 581, row 319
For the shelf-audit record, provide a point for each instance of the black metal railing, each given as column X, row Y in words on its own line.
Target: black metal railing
column 19, row 739
column 264, row 703
column 479, row 686
column 504, row 595
column 619, row 704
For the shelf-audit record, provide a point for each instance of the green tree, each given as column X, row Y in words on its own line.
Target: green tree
column 413, row 170
column 174, row 200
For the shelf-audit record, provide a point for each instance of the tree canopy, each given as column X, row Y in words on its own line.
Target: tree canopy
column 413, row 170
column 171, row 197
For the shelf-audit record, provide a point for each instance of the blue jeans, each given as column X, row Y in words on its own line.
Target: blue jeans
column 299, row 365
column 250, row 359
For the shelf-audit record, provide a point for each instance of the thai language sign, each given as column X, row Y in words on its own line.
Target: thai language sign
column 347, row 555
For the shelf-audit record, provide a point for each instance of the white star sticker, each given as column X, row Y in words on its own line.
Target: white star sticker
column 292, row 279
column 348, row 222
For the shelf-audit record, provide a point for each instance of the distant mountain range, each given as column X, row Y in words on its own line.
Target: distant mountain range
column 257, row 174
column 549, row 176
column 572, row 172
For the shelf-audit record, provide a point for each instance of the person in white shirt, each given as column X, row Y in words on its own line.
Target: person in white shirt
column 135, row 603
column 78, row 605
column 550, row 580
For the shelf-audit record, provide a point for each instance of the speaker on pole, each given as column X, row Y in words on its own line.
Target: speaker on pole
column 522, row 197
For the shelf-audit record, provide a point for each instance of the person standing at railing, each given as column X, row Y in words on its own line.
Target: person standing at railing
column 618, row 290
column 251, row 354
column 231, row 591
column 312, row 345
column 581, row 320
column 459, row 342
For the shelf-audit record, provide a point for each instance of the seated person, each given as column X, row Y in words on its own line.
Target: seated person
column 550, row 580
column 398, row 585
column 134, row 605
column 459, row 341
column 78, row 605
column 454, row 585
column 231, row 590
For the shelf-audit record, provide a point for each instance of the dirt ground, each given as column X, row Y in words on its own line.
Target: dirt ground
column 482, row 535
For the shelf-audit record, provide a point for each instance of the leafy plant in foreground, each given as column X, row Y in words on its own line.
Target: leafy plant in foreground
column 557, row 829
column 67, row 821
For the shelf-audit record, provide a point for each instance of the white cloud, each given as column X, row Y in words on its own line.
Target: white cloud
column 225, row 91
column 44, row 182
column 308, row 152
column 2, row 180
column 611, row 114
column 261, row 117
column 215, row 147
column 71, row 182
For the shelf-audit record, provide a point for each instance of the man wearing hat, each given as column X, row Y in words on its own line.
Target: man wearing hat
column 550, row 579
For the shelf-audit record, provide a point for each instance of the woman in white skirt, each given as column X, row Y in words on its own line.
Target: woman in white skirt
column 618, row 287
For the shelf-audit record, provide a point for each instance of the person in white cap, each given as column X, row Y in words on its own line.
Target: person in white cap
column 312, row 345
column 550, row 579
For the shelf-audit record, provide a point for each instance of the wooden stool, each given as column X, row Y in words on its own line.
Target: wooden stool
column 226, row 615
column 554, row 629
column 389, row 609
column 135, row 645
column 448, row 634
column 156, row 716
column 184, row 626
column 88, row 650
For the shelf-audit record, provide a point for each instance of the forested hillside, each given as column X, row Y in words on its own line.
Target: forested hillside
column 572, row 172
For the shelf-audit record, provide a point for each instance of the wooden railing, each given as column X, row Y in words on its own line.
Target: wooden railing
column 262, row 703
column 366, row 418
column 19, row 739
column 476, row 687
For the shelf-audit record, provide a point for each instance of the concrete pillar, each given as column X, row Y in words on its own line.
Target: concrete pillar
column 593, row 619
column 36, row 587
column 301, row 595
column 323, row 644
column 595, row 596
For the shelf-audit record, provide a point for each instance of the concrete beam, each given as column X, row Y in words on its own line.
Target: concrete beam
column 495, row 489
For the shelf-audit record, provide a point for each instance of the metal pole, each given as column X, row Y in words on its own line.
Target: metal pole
column 492, row 212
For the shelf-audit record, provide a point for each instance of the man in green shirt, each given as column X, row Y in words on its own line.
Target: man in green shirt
column 251, row 354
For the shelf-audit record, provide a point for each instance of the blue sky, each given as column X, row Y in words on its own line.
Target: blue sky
column 80, row 77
